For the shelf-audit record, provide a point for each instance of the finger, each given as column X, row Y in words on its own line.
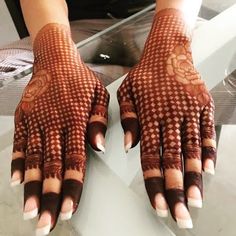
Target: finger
column 33, row 174
column 97, row 125
column 150, row 162
column 52, row 175
column 74, row 172
column 191, row 147
column 18, row 155
column 208, row 137
column 129, row 119
column 172, row 165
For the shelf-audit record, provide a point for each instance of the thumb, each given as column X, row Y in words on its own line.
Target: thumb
column 129, row 118
column 97, row 125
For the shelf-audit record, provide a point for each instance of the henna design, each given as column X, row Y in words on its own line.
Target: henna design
column 75, row 162
column 33, row 161
column 180, row 66
column 53, row 169
column 150, row 162
column 172, row 163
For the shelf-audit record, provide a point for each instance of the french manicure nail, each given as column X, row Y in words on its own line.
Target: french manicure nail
column 30, row 209
column 101, row 147
column 30, row 214
column 209, row 171
column 162, row 213
column 184, row 223
column 66, row 210
column 128, row 146
column 15, row 182
column 195, row 202
column 43, row 230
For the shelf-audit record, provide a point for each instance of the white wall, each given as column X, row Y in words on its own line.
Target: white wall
column 7, row 29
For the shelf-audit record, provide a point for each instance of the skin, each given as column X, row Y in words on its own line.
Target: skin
column 40, row 13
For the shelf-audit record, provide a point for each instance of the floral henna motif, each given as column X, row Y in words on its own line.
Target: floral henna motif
column 36, row 87
column 180, row 66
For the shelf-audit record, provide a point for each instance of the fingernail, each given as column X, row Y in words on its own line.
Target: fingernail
column 128, row 141
column 101, row 147
column 162, row 213
column 195, row 203
column 194, row 197
column 161, row 205
column 128, row 146
column 209, row 167
column 31, row 209
column 183, row 218
column 184, row 224
column 16, row 179
column 99, row 140
column 15, row 183
column 43, row 231
column 44, row 224
column 66, row 210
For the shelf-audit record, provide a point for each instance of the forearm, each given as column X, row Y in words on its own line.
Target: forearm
column 39, row 13
column 189, row 8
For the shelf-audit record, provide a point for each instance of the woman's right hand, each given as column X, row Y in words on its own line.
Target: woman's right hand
column 63, row 104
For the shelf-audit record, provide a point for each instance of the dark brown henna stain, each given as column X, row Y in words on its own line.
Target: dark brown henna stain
column 75, row 162
column 17, row 164
column 33, row 161
column 53, row 169
column 154, row 185
column 191, row 152
column 19, row 145
column 51, row 202
column 150, row 162
column 209, row 153
column 100, row 111
column 32, row 189
column 72, row 188
column 174, row 196
column 193, row 178
column 172, row 163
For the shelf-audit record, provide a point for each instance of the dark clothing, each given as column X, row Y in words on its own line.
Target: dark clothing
column 93, row 9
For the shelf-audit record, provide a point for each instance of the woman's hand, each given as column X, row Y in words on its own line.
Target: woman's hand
column 63, row 102
column 165, row 104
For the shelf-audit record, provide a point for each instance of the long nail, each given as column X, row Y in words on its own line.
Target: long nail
column 43, row 230
column 128, row 141
column 184, row 224
column 194, row 197
column 44, row 224
column 209, row 167
column 183, row 217
column 161, row 206
column 66, row 210
column 31, row 209
column 99, row 140
column 16, row 179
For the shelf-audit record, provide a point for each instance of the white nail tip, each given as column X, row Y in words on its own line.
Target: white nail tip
column 15, row 183
column 209, row 171
column 162, row 213
column 194, row 202
column 128, row 146
column 66, row 216
column 30, row 214
column 43, row 231
column 184, row 224
column 101, row 147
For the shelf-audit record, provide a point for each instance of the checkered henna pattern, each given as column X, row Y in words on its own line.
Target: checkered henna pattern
column 164, row 97
column 63, row 105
